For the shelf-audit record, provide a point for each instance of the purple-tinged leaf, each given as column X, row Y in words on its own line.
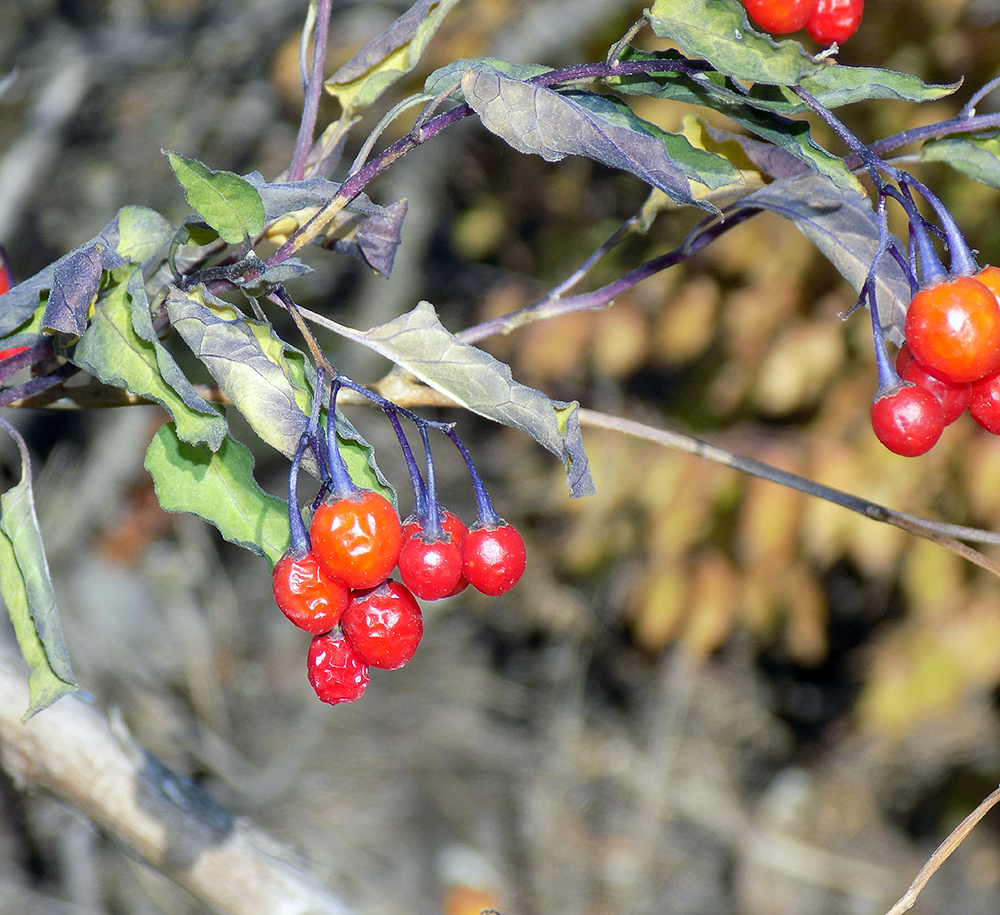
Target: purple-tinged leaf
column 769, row 160
column 136, row 235
column 389, row 56
column 533, row 119
column 75, row 282
column 376, row 238
column 843, row 226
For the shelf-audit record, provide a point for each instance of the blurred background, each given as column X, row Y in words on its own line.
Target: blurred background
column 709, row 694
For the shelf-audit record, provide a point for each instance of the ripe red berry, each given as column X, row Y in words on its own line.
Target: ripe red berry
column 493, row 558
column 335, row 671
column 780, row 16
column 835, row 20
column 431, row 569
column 954, row 398
column 383, row 625
column 953, row 329
column 908, row 420
column 984, row 405
column 307, row 595
column 903, row 358
column 6, row 274
column 451, row 524
column 357, row 538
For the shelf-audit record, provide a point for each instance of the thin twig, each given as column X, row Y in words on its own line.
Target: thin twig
column 942, row 853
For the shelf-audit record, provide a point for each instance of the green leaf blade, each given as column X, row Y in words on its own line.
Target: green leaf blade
column 227, row 202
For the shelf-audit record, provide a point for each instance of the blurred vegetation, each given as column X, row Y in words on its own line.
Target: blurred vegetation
column 709, row 693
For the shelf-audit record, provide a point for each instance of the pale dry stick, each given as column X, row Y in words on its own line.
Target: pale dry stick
column 943, row 534
column 72, row 751
column 942, row 853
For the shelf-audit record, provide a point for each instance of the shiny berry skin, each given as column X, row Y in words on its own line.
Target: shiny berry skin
column 780, row 17
column 383, row 625
column 908, row 420
column 493, row 558
column 835, row 20
column 954, row 398
column 335, row 671
column 307, row 595
column 357, row 539
column 984, row 405
column 903, row 358
column 431, row 569
column 450, row 524
column 953, row 329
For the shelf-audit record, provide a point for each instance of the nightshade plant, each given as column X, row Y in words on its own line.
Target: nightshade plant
column 102, row 314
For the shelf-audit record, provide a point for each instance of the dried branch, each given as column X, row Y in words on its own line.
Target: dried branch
column 72, row 751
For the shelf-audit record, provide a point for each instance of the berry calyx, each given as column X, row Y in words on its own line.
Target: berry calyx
column 335, row 671
column 493, row 557
column 384, row 625
column 431, row 569
column 954, row 398
column 779, row 17
column 953, row 329
column 357, row 538
column 907, row 419
column 984, row 403
column 307, row 595
column 835, row 20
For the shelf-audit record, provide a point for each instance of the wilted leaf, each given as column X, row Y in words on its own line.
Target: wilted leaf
column 718, row 31
column 75, row 281
column 843, row 226
column 533, row 119
column 219, row 487
column 420, row 344
column 227, row 202
column 376, row 238
column 27, row 591
column 117, row 350
column 388, row 57
column 976, row 157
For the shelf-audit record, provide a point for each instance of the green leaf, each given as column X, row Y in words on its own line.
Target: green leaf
column 219, row 487
column 718, row 31
column 112, row 351
column 227, row 202
column 976, row 157
column 473, row 378
column 388, row 57
column 27, row 591
column 839, row 85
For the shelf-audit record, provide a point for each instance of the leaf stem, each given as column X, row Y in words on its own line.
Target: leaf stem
column 313, row 89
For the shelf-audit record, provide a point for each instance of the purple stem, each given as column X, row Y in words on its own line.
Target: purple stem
column 419, row 489
column 34, row 353
column 298, row 543
column 313, row 90
column 487, row 514
column 432, row 520
column 37, row 385
column 341, row 484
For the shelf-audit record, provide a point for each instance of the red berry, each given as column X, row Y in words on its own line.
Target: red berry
column 493, row 558
column 357, row 538
column 451, row 524
column 953, row 329
column 431, row 569
column 990, row 278
column 383, row 625
column 835, row 20
column 780, row 16
column 954, row 398
column 6, row 275
column 11, row 351
column 903, row 358
column 984, row 405
column 307, row 595
column 335, row 671
column 908, row 420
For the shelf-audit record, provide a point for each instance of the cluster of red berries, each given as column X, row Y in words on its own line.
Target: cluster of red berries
column 825, row 21
column 950, row 363
column 334, row 580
